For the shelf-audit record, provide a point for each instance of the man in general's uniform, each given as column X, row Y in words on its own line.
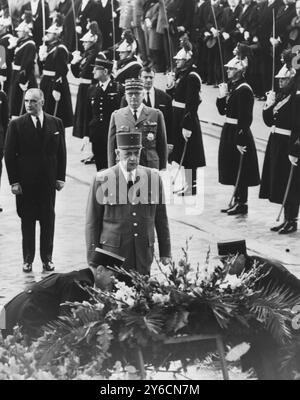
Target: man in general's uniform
column 103, row 98
column 126, row 203
column 55, row 58
column 137, row 116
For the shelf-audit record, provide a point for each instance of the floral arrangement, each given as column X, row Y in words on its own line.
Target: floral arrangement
column 99, row 336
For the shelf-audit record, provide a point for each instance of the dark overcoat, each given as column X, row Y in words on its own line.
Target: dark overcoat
column 9, row 55
column 42, row 302
column 276, row 170
column 238, row 106
column 84, row 71
column 23, row 72
column 125, row 225
column 36, row 162
column 56, row 63
column 151, row 123
column 186, row 100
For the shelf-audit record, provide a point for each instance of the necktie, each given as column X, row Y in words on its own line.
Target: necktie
column 148, row 102
column 38, row 124
column 135, row 115
column 130, row 180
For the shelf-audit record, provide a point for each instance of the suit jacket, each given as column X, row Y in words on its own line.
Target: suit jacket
column 37, row 31
column 126, row 226
column 152, row 125
column 41, row 303
column 163, row 102
column 30, row 157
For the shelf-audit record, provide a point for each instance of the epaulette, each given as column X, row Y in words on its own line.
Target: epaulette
column 102, row 175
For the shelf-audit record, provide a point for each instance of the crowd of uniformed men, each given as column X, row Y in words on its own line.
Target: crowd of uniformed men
column 114, row 49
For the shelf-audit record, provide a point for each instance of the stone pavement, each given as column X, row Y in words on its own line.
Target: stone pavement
column 197, row 217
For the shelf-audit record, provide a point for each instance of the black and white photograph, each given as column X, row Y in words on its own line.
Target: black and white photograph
column 149, row 192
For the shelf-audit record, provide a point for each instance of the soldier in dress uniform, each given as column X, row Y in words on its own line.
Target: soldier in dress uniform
column 82, row 68
column 125, row 204
column 128, row 66
column 103, row 98
column 237, row 151
column 54, row 57
column 5, row 35
column 86, row 12
column 281, row 112
column 187, row 129
column 229, row 29
column 35, row 7
column 23, row 76
column 137, row 116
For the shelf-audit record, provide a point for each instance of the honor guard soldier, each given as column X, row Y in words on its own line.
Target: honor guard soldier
column 238, row 164
column 23, row 76
column 82, row 68
column 137, row 116
column 103, row 98
column 128, row 66
column 55, row 58
column 6, row 54
column 35, row 7
column 281, row 113
column 125, row 205
column 188, row 146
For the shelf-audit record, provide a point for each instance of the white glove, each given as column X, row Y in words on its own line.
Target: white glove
column 271, row 97
column 85, row 142
column 13, row 41
column 16, row 189
column 79, row 29
column 225, row 35
column 43, row 52
column 186, row 134
column 255, row 39
column 170, row 80
column 206, row 34
column 273, row 41
column 56, row 95
column 246, row 35
column 76, row 57
column 214, row 31
column 148, row 23
column 181, row 29
column 242, row 30
column 223, row 90
column 24, row 86
column 293, row 160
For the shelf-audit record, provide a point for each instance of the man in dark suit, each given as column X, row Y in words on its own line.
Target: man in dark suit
column 156, row 98
column 125, row 204
column 35, row 157
column 43, row 301
column 35, row 7
column 137, row 116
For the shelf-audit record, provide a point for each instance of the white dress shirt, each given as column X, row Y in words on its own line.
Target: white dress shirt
column 84, row 4
column 34, row 6
column 151, row 95
column 127, row 174
column 104, row 85
column 138, row 111
column 41, row 118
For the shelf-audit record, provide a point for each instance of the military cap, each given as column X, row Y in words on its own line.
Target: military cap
column 134, row 84
column 232, row 247
column 129, row 140
column 106, row 258
column 102, row 61
column 286, row 72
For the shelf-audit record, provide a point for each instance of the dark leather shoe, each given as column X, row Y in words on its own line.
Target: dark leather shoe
column 278, row 227
column 289, row 227
column 225, row 210
column 27, row 267
column 48, row 266
column 238, row 209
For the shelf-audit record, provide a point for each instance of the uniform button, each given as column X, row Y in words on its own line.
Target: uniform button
column 29, row 291
column 134, row 214
column 136, row 235
column 135, row 224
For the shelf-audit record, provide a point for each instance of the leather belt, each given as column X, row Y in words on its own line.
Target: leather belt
column 48, row 73
column 16, row 67
column 177, row 104
column 86, row 81
column 281, row 131
column 232, row 121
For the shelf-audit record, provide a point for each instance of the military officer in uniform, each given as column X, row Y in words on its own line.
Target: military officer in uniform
column 23, row 76
column 103, row 98
column 82, row 68
column 137, row 116
column 281, row 112
column 125, row 204
column 237, row 151
column 55, row 58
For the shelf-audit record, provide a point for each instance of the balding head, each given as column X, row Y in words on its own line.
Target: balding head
column 34, row 101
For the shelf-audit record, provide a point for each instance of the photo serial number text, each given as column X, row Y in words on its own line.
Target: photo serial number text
column 168, row 389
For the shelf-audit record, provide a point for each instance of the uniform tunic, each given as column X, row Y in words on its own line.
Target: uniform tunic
column 55, row 69
column 84, row 71
column 238, row 107
column 283, row 115
column 6, row 72
column 23, row 71
column 99, row 107
column 186, row 101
